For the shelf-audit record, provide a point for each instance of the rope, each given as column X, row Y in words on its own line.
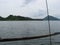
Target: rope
column 48, row 22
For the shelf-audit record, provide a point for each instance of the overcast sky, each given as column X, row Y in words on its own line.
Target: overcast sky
column 29, row 8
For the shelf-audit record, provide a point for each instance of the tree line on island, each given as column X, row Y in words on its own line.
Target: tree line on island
column 12, row 18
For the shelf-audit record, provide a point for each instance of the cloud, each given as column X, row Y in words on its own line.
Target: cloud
column 54, row 7
column 26, row 2
column 38, row 14
column 35, row 9
column 30, row 7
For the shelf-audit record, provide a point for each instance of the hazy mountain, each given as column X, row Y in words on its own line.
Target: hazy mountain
column 50, row 18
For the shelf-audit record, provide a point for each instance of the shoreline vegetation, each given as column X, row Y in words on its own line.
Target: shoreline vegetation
column 22, row 18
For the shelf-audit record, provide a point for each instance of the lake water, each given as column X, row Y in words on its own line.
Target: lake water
column 11, row 29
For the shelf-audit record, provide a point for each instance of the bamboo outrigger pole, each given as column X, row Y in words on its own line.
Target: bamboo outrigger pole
column 27, row 38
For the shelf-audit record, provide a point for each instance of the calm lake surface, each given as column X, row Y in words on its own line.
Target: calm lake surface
column 11, row 29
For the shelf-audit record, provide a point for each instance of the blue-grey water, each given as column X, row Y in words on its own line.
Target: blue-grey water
column 11, row 29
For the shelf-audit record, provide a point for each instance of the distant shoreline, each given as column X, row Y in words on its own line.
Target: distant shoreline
column 29, row 20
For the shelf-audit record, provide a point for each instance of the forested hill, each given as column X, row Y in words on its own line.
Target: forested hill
column 11, row 17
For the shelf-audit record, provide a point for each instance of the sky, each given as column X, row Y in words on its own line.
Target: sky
column 29, row 8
